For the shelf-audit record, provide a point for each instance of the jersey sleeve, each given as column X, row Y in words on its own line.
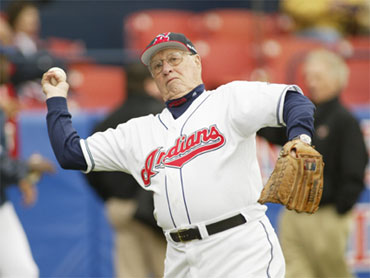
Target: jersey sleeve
column 254, row 105
column 112, row 150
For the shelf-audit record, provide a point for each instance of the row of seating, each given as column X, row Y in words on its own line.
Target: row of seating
column 241, row 44
column 233, row 44
column 101, row 85
column 234, row 24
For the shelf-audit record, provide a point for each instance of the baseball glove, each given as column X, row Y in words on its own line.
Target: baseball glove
column 297, row 180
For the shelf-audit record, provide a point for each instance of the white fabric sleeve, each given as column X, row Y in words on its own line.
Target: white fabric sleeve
column 254, row 105
column 109, row 150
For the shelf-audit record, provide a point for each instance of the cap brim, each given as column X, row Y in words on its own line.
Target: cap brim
column 151, row 50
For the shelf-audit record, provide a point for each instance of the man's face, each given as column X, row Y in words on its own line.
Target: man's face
column 178, row 79
column 320, row 81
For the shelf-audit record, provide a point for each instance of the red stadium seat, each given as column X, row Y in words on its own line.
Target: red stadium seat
column 273, row 24
column 97, row 86
column 66, row 48
column 281, row 57
column 224, row 60
column 141, row 27
column 287, row 66
column 233, row 24
column 357, row 91
column 360, row 42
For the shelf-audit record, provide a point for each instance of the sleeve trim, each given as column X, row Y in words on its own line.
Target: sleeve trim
column 88, row 156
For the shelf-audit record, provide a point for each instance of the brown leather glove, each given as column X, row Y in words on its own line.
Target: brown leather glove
column 297, row 180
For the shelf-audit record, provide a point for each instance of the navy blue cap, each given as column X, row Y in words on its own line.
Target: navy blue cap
column 167, row 40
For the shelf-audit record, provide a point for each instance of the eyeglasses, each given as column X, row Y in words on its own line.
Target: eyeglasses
column 173, row 59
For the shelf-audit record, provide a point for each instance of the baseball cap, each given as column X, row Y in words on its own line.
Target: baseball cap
column 167, row 40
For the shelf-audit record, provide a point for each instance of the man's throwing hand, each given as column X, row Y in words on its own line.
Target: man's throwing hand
column 54, row 83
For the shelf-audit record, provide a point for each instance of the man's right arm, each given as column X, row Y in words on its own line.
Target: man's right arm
column 63, row 137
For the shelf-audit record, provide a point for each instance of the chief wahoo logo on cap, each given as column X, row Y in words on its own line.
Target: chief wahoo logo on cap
column 165, row 37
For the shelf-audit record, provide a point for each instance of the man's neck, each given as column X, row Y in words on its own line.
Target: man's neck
column 179, row 105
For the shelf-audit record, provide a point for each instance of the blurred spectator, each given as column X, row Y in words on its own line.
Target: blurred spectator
column 18, row 70
column 315, row 245
column 19, row 29
column 23, row 68
column 328, row 20
column 15, row 254
column 140, row 244
column 6, row 33
column 24, row 19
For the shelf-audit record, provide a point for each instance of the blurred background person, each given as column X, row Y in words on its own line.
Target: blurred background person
column 139, row 243
column 30, row 59
column 315, row 245
column 24, row 19
column 19, row 70
column 6, row 33
column 327, row 20
column 15, row 254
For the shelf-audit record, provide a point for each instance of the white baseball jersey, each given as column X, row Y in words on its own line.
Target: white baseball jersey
column 201, row 166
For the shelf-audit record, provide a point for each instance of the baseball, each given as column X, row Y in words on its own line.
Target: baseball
column 60, row 72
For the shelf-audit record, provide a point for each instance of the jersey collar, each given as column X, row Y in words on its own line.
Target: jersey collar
column 178, row 106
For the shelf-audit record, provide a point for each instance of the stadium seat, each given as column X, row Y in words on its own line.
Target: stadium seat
column 97, row 86
column 66, row 48
column 360, row 42
column 224, row 60
column 274, row 24
column 357, row 92
column 281, row 57
column 232, row 24
column 141, row 27
column 284, row 59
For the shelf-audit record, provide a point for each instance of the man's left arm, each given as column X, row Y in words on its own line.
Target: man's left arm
column 297, row 179
column 298, row 115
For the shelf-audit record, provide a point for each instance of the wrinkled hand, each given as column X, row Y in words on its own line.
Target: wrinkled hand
column 39, row 164
column 59, row 90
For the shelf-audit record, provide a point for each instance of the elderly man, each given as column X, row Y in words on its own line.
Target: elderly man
column 198, row 157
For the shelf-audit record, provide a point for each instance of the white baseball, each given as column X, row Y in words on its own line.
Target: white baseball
column 61, row 74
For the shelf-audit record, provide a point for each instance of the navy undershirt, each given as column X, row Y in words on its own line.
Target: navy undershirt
column 178, row 106
column 298, row 116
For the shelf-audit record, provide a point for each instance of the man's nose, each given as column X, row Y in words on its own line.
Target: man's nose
column 166, row 67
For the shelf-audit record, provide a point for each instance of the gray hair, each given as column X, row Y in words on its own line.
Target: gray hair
column 335, row 64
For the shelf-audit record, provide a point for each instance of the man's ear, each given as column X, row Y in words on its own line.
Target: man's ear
column 198, row 60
